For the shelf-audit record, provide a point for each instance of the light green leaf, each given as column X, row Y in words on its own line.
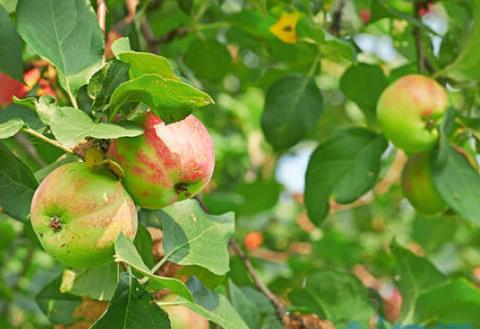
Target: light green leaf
column 343, row 167
column 132, row 308
column 70, row 126
column 98, row 283
column 171, row 100
column 120, row 46
column 125, row 252
column 456, row 302
column 192, row 237
column 292, row 108
column 10, row 128
column 17, row 185
column 10, row 48
column 66, row 33
column 145, row 63
column 213, row 306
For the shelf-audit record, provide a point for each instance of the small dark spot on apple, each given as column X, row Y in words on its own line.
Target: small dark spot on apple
column 181, row 187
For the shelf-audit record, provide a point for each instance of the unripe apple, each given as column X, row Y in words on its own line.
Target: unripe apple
column 408, row 112
column 167, row 163
column 78, row 213
column 418, row 186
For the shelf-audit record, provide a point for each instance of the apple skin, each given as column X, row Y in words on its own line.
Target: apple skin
column 78, row 213
column 408, row 110
column 418, row 186
column 10, row 87
column 167, row 163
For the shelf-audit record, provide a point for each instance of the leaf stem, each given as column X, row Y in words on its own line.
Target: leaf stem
column 101, row 16
column 48, row 140
column 160, row 264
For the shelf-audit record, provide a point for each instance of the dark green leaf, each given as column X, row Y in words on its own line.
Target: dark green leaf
column 143, row 244
column 67, row 34
column 57, row 307
column 132, row 308
column 245, row 307
column 192, row 237
column 171, row 100
column 104, row 82
column 208, row 59
column 363, row 84
column 292, row 108
column 344, row 167
column 10, row 48
column 98, row 283
column 17, row 185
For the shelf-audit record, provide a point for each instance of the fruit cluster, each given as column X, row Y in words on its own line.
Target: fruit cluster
column 77, row 211
column 409, row 112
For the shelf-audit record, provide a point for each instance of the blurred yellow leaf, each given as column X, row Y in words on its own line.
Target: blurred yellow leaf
column 285, row 27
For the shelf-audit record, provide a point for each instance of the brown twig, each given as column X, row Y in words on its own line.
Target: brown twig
column 149, row 36
column 422, row 62
column 280, row 309
column 382, row 187
column 101, row 16
column 335, row 25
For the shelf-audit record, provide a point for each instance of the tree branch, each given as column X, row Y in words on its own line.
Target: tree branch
column 422, row 62
column 280, row 309
column 101, row 16
column 335, row 25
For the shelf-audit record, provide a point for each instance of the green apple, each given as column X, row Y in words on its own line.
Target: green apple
column 78, row 213
column 167, row 163
column 418, row 185
column 409, row 110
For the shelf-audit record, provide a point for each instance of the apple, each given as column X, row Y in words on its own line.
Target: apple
column 418, row 186
column 167, row 163
column 365, row 15
column 78, row 213
column 10, row 87
column 409, row 110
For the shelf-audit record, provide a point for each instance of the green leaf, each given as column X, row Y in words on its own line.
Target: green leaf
column 336, row 296
column 213, row 306
column 10, row 128
column 344, row 167
column 98, row 283
column 169, row 99
column 70, row 126
column 125, row 252
column 23, row 113
column 17, row 185
column 145, row 63
column 467, row 64
column 292, row 108
column 9, row 5
column 66, row 33
column 363, row 84
column 58, row 307
column 120, row 46
column 104, row 82
column 245, row 307
column 457, row 182
column 417, row 275
column 208, row 59
column 192, row 237
column 132, row 308
column 10, row 48
column 456, row 302
column 143, row 244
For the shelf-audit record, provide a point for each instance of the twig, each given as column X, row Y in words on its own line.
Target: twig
column 382, row 187
column 101, row 16
column 335, row 25
column 48, row 140
column 258, row 283
column 248, row 265
column 422, row 61
column 148, row 35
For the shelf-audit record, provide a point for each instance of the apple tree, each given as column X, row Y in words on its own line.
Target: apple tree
column 239, row 164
